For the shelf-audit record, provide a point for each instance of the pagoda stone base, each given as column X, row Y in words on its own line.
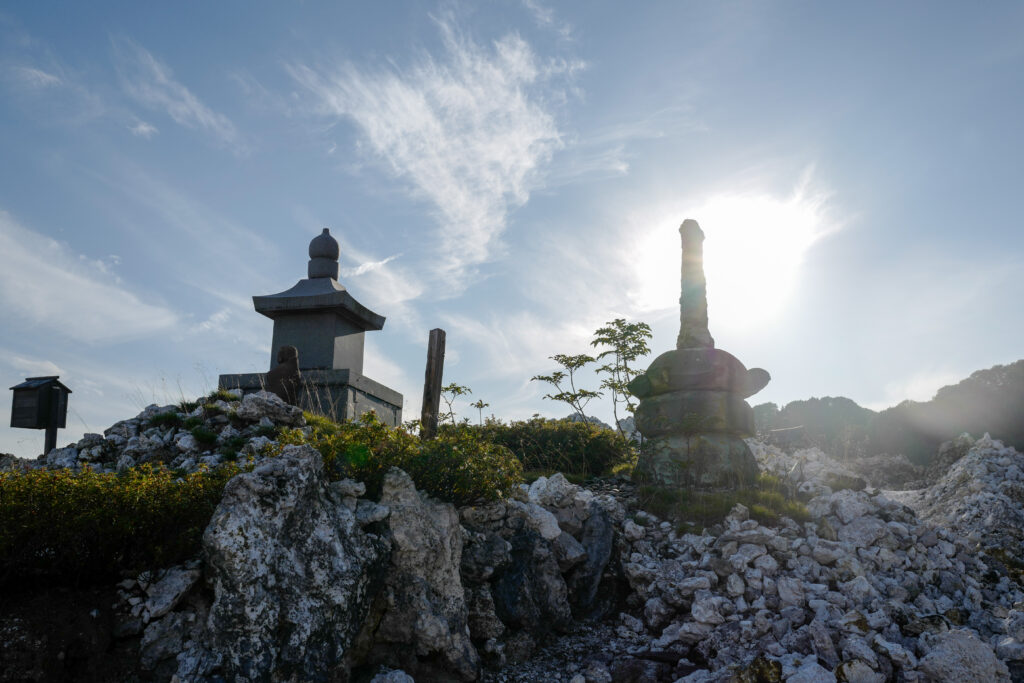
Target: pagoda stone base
column 336, row 394
column 697, row 461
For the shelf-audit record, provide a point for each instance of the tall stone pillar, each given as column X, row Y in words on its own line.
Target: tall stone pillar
column 692, row 407
column 693, row 299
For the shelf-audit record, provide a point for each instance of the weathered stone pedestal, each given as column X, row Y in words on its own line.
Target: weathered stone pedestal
column 692, row 412
column 337, row 394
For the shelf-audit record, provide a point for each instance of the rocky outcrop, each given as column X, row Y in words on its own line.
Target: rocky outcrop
column 303, row 579
column 181, row 438
column 877, row 586
column 292, row 575
column 423, row 627
column 534, row 564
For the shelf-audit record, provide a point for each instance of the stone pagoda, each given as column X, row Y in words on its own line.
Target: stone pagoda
column 692, row 399
column 320, row 320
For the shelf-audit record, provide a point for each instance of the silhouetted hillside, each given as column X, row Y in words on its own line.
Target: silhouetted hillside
column 989, row 400
column 836, row 425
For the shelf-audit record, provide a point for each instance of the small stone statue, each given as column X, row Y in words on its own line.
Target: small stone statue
column 285, row 379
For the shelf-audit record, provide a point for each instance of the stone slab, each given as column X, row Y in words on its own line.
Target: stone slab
column 703, row 368
column 692, row 412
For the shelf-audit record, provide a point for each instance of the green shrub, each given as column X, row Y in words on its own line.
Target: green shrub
column 231, row 447
column 205, row 436
column 268, row 431
column 220, row 395
column 694, row 510
column 187, row 406
column 565, row 446
column 63, row 527
column 192, row 422
column 168, row 419
column 212, row 410
column 458, row 466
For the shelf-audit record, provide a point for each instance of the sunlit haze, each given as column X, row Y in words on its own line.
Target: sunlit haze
column 514, row 173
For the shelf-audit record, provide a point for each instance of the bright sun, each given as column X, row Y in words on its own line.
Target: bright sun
column 754, row 245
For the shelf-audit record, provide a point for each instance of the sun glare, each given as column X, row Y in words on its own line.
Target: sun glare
column 753, row 249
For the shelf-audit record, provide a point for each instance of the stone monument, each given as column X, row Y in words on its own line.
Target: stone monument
column 692, row 407
column 285, row 380
column 324, row 326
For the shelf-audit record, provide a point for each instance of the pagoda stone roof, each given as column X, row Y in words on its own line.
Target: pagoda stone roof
column 314, row 295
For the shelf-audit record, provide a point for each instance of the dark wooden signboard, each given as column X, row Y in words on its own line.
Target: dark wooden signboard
column 25, row 411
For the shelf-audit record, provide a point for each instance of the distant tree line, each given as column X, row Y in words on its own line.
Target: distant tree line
column 989, row 400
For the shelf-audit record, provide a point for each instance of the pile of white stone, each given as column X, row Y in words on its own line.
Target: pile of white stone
column 167, row 434
column 865, row 591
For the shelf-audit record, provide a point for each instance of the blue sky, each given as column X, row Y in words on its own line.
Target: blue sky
column 515, row 173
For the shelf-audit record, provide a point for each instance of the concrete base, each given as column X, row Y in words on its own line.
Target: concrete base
column 697, row 461
column 337, row 394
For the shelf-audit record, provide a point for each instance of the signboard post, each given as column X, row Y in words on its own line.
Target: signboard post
column 41, row 403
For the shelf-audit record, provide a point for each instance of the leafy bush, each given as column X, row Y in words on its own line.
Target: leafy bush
column 168, row 419
column 61, row 526
column 185, row 406
column 564, row 446
column 205, row 436
column 212, row 410
column 458, row 466
column 190, row 422
column 220, row 395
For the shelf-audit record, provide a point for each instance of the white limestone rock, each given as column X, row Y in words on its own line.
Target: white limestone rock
column 960, row 656
column 812, row 672
column 292, row 575
column 540, row 519
column 262, row 404
column 60, row 458
column 425, row 601
column 167, row 591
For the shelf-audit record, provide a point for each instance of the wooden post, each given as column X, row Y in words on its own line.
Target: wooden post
column 432, row 384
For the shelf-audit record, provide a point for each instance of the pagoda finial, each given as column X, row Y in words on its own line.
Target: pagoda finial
column 693, row 300
column 323, row 256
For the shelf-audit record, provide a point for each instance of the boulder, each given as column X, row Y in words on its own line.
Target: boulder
column 292, row 574
column 960, row 656
column 424, row 624
column 265, row 404
column 166, row 592
column 597, row 537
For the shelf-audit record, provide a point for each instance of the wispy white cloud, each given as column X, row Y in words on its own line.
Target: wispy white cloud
column 34, row 366
column 545, row 17
column 43, row 282
column 470, row 131
column 385, row 286
column 143, row 130
column 32, row 77
column 152, row 83
column 215, row 322
column 607, row 151
column 368, row 266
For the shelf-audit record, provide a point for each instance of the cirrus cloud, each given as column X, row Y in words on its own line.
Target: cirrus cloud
column 470, row 131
